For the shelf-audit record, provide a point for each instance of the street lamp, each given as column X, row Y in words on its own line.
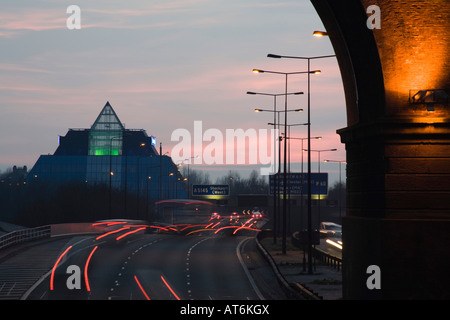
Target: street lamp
column 320, row 34
column 318, row 153
column 340, row 185
column 270, row 55
column 289, row 148
column 189, row 181
column 111, row 173
column 301, row 197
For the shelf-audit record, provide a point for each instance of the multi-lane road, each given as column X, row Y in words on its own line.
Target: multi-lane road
column 214, row 260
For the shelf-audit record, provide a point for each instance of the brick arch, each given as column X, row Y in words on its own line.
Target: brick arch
column 398, row 153
column 358, row 59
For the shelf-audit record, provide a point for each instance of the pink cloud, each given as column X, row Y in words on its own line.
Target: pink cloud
column 36, row 20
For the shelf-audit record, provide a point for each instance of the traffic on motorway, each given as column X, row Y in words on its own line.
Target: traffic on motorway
column 159, row 261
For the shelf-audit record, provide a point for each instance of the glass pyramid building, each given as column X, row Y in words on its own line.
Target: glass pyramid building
column 106, row 134
column 110, row 156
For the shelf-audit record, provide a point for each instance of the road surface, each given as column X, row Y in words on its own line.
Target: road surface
column 210, row 261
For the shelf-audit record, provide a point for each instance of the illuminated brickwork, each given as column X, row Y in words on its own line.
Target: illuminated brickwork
column 413, row 45
column 398, row 153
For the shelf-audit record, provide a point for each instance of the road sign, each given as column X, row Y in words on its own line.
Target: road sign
column 296, row 182
column 210, row 190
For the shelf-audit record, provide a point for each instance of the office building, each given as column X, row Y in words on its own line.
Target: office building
column 108, row 154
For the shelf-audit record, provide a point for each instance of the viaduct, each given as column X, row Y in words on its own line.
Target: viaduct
column 396, row 81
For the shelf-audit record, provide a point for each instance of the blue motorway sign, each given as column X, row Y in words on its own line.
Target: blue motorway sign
column 210, row 190
column 296, row 183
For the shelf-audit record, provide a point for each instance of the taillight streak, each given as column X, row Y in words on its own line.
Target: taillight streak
column 88, row 288
column 193, row 226
column 111, row 232
column 171, row 290
column 109, row 223
column 142, row 289
column 56, row 264
column 227, row 227
column 130, row 232
column 247, row 228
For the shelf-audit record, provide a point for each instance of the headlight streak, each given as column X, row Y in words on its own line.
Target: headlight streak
column 88, row 288
column 55, row 266
column 337, row 245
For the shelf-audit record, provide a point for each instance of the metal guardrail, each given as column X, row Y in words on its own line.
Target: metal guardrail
column 327, row 259
column 24, row 235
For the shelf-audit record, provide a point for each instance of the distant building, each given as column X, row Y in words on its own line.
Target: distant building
column 110, row 155
column 16, row 177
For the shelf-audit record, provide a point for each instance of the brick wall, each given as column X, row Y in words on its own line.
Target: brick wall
column 414, row 49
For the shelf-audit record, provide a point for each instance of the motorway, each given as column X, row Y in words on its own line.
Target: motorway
column 214, row 260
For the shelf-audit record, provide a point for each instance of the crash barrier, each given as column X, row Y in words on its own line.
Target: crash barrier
column 292, row 291
column 28, row 234
column 23, row 235
column 75, row 228
column 300, row 240
column 327, row 259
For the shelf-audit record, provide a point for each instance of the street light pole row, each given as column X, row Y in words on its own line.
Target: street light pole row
column 309, row 72
column 286, row 74
column 275, row 123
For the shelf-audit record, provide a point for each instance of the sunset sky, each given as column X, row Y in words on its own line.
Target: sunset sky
column 162, row 65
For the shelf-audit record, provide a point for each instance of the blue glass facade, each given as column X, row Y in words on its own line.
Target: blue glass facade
column 136, row 168
column 155, row 177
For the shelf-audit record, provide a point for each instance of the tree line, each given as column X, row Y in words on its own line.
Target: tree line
column 47, row 202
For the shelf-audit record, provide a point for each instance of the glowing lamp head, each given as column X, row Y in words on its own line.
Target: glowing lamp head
column 320, row 34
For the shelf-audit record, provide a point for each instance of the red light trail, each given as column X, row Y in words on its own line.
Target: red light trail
column 142, row 289
column 171, row 290
column 56, row 264
column 88, row 288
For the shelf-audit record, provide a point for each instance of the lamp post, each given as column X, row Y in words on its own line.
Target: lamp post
column 340, row 186
column 189, row 181
column 281, row 138
column 111, row 173
column 302, row 173
column 169, row 174
column 318, row 153
column 310, row 271
column 302, row 189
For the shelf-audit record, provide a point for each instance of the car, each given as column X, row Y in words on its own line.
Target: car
column 234, row 217
column 215, row 215
column 330, row 229
column 256, row 214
